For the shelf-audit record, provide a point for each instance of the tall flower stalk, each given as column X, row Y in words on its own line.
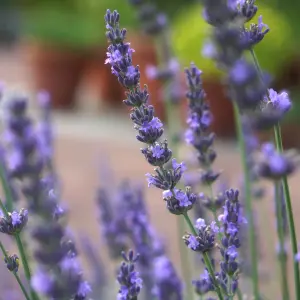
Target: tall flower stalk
column 58, row 273
column 275, row 108
column 155, row 24
column 245, row 87
column 149, row 129
column 12, row 263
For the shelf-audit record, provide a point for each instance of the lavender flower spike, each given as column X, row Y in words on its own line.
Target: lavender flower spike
column 14, row 222
column 199, row 120
column 128, row 278
column 149, row 128
column 231, row 219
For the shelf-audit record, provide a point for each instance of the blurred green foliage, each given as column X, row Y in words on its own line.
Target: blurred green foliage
column 71, row 23
column 79, row 23
column 190, row 33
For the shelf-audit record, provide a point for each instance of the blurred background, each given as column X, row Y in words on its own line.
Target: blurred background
column 60, row 46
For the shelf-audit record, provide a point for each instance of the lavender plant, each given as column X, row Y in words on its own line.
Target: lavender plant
column 58, row 274
column 27, row 171
column 159, row 276
column 247, row 89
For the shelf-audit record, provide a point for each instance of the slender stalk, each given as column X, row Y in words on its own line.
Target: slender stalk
column 239, row 294
column 230, row 295
column 23, row 257
column 248, row 203
column 20, row 246
column 286, row 191
column 15, row 274
column 205, row 258
column 172, row 117
column 22, row 286
column 25, row 265
column 3, row 208
column 6, row 187
column 282, row 256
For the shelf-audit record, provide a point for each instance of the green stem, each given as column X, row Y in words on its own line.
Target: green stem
column 21, row 251
column 6, row 187
column 205, row 258
column 282, row 255
column 248, row 203
column 22, row 286
column 3, row 208
column 239, row 294
column 286, row 191
column 25, row 265
column 230, row 295
column 257, row 66
column 15, row 274
column 287, row 197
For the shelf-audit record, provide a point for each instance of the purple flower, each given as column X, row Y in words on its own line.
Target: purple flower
column 192, row 242
column 155, row 123
column 204, row 241
column 177, row 166
column 42, row 282
column 241, row 72
column 199, row 119
column 214, row 227
column 14, row 222
column 274, row 165
column 16, row 218
column 200, row 223
column 183, row 199
column 83, row 290
column 247, row 9
column 189, row 136
column 232, row 252
column 157, row 151
column 167, row 283
column 231, row 229
column 114, row 57
column 280, row 101
column 128, row 278
column 179, row 195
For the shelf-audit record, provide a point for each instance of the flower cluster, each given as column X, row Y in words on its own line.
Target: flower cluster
column 114, row 229
column 137, row 232
column 274, row 165
column 128, row 278
column 199, row 121
column 231, row 39
column 204, row 284
column 152, row 21
column 231, row 220
column 59, row 274
column 168, row 285
column 12, row 263
column 205, row 238
column 149, row 127
column 14, row 222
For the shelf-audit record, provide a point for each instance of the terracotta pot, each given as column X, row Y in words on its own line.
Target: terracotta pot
column 56, row 70
column 221, row 108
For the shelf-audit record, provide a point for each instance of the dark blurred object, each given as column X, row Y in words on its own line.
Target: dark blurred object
column 9, row 24
column 172, row 7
